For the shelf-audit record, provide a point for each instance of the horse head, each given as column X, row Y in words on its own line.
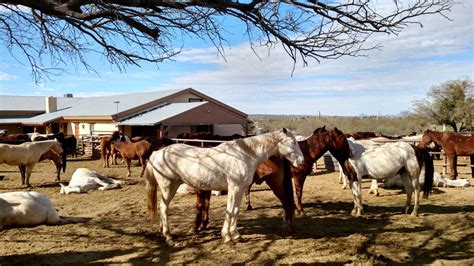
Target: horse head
column 426, row 139
column 288, row 147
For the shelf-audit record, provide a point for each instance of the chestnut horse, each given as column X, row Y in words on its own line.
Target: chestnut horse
column 106, row 146
column 313, row 147
column 454, row 145
column 140, row 150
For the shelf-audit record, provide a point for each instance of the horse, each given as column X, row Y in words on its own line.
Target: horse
column 14, row 138
column 83, row 180
column 27, row 154
column 313, row 148
column 454, row 145
column 386, row 161
column 106, row 146
column 229, row 166
column 30, row 208
column 140, row 150
column 68, row 143
column 49, row 155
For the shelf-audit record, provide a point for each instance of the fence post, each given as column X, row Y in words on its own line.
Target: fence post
column 445, row 165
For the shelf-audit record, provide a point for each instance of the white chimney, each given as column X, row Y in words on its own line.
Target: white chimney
column 51, row 104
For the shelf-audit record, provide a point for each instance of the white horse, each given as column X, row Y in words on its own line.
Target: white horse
column 27, row 154
column 30, row 209
column 229, row 166
column 385, row 162
column 358, row 147
column 83, row 180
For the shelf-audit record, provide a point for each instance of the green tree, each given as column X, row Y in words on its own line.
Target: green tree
column 450, row 103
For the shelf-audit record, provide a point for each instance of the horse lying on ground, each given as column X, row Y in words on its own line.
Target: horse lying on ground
column 30, row 209
column 83, row 180
column 386, row 161
column 229, row 166
column 438, row 181
column 27, row 154
column 454, row 145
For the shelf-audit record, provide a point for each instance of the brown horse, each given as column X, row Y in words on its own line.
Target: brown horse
column 140, row 150
column 454, row 145
column 106, row 146
column 313, row 148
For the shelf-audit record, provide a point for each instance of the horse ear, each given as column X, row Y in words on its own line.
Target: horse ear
column 285, row 130
column 324, row 127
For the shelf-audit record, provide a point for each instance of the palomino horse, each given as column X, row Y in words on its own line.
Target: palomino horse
column 229, row 166
column 388, row 160
column 49, row 155
column 454, row 145
column 27, row 154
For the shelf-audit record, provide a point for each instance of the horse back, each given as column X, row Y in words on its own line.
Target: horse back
column 458, row 144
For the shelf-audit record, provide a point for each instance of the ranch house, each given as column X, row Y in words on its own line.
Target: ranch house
column 157, row 113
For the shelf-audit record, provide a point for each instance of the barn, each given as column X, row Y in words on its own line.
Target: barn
column 156, row 113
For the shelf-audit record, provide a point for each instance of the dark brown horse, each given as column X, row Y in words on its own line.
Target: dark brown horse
column 313, row 148
column 454, row 145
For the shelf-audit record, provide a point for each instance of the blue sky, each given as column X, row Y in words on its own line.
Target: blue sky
column 385, row 82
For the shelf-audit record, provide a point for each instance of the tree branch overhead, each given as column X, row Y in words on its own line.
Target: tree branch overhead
column 137, row 31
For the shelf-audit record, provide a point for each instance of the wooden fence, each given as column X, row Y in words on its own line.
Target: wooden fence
column 90, row 145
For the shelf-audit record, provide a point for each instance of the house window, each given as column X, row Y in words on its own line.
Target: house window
column 193, row 100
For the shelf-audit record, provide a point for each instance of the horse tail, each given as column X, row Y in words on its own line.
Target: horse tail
column 429, row 172
column 151, row 189
column 288, row 198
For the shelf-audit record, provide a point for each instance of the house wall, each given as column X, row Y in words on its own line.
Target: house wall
column 207, row 114
column 183, row 98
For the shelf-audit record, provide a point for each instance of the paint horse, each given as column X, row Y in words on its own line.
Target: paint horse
column 454, row 145
column 388, row 160
column 27, row 154
column 229, row 166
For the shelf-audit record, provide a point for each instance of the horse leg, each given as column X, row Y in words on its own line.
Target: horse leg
column 143, row 163
column 247, row 198
column 128, row 161
column 298, row 182
column 233, row 192
column 205, row 209
column 374, row 187
column 416, row 185
column 22, row 173
column 355, row 187
column 235, row 211
column 201, row 208
column 408, row 188
column 452, row 165
column 29, row 170
column 168, row 190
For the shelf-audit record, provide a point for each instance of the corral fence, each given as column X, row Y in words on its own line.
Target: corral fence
column 90, row 145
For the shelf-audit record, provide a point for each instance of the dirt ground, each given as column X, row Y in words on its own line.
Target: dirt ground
column 119, row 231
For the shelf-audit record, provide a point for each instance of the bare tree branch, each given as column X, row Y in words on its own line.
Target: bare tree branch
column 136, row 31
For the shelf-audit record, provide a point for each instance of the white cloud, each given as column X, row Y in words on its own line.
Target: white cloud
column 6, row 76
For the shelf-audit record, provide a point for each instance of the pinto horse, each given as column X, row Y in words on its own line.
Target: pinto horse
column 454, row 145
column 229, row 166
column 27, row 154
column 388, row 160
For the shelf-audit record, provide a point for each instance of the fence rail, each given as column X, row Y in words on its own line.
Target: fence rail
column 90, row 144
